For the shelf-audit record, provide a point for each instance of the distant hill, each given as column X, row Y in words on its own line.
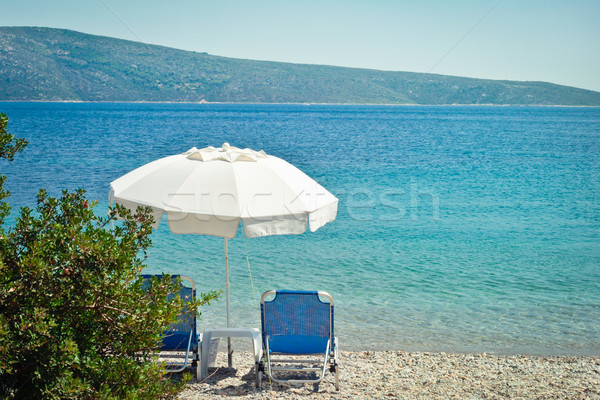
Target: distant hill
column 57, row 64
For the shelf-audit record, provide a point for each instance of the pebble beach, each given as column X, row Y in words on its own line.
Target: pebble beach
column 408, row 375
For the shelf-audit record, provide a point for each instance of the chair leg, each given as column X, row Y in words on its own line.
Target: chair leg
column 336, row 364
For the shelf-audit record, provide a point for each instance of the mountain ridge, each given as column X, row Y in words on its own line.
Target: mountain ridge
column 50, row 64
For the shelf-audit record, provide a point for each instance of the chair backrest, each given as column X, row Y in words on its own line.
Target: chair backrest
column 297, row 322
column 177, row 336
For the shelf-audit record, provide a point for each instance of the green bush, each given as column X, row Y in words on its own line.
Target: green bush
column 9, row 146
column 76, row 321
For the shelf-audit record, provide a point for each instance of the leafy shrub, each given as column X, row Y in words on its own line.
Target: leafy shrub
column 9, row 146
column 75, row 318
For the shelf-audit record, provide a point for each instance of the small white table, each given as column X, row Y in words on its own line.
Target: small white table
column 252, row 333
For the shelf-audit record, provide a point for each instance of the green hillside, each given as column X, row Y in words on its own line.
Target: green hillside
column 56, row 64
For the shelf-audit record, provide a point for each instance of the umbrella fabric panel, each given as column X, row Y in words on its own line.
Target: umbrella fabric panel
column 284, row 199
column 141, row 184
column 210, row 188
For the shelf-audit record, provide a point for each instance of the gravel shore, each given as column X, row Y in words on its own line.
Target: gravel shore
column 403, row 375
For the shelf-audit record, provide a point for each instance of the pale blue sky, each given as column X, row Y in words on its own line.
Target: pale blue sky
column 540, row 40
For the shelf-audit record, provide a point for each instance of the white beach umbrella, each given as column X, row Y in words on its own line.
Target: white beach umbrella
column 209, row 191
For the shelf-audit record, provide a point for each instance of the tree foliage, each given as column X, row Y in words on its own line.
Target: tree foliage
column 9, row 147
column 76, row 320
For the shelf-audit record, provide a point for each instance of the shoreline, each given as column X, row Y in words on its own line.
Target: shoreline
column 292, row 104
column 517, row 351
column 417, row 375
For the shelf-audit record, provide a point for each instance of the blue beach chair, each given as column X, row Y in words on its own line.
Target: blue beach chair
column 299, row 325
column 180, row 341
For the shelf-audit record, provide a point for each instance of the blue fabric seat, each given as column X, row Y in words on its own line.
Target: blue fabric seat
column 299, row 323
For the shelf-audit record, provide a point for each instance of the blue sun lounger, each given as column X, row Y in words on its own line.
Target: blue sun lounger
column 180, row 341
column 299, row 325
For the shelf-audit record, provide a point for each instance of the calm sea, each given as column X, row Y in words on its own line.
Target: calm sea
column 460, row 229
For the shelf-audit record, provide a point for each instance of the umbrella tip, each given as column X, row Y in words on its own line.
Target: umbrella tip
column 226, row 146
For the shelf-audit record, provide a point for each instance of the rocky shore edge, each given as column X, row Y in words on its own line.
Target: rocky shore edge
column 409, row 375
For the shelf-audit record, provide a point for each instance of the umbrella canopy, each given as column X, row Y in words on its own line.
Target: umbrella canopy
column 209, row 191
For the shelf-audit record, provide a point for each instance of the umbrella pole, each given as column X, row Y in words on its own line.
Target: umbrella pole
column 229, row 349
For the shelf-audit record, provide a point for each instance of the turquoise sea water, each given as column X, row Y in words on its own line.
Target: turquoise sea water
column 469, row 229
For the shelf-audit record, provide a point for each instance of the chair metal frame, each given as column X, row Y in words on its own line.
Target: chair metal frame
column 276, row 365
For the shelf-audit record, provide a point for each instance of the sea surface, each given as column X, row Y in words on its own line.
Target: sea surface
column 460, row 229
